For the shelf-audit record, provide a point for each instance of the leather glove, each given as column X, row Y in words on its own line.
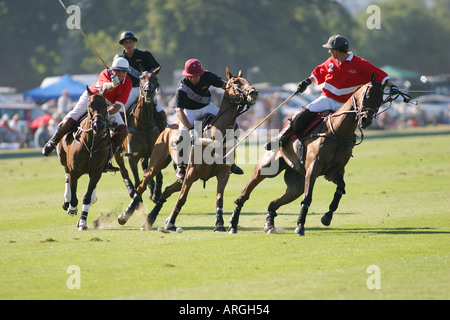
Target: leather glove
column 302, row 85
column 394, row 90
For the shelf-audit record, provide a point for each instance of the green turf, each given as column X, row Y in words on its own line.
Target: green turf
column 395, row 215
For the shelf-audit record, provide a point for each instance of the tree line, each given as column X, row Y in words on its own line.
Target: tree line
column 282, row 38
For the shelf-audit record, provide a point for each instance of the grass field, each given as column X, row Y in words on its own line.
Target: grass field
column 395, row 216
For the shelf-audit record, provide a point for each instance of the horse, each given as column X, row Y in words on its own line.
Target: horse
column 326, row 152
column 239, row 95
column 143, row 131
column 85, row 151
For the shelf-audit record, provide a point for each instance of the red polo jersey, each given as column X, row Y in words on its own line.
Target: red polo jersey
column 341, row 80
column 119, row 94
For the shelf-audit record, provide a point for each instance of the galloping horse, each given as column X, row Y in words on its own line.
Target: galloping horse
column 326, row 152
column 142, row 134
column 238, row 97
column 85, row 151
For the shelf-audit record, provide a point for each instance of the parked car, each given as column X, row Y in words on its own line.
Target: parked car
column 430, row 109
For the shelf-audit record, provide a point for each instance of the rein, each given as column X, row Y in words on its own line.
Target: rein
column 91, row 120
column 359, row 112
column 240, row 99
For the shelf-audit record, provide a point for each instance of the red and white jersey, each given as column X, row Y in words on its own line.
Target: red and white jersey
column 119, row 94
column 343, row 79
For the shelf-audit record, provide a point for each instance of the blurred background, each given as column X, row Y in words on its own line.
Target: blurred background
column 276, row 43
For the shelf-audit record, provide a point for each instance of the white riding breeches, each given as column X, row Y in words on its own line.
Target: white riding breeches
column 324, row 103
column 197, row 114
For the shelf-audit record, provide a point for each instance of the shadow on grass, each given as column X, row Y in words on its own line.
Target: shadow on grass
column 376, row 230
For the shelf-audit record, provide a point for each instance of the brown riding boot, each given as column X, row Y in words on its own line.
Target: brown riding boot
column 63, row 128
column 295, row 125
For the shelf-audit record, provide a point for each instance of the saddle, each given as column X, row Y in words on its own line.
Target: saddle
column 294, row 153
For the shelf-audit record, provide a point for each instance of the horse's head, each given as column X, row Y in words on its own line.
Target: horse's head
column 370, row 98
column 148, row 83
column 240, row 89
column 97, row 112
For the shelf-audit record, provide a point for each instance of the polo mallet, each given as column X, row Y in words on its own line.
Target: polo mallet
column 128, row 153
column 90, row 44
column 259, row 124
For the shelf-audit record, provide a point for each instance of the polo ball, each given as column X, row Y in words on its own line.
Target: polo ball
column 179, row 229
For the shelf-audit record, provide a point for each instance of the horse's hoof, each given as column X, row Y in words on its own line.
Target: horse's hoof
column 271, row 231
column 268, row 227
column 65, row 206
column 326, row 221
column 82, row 225
column 232, row 230
column 219, row 228
column 300, row 231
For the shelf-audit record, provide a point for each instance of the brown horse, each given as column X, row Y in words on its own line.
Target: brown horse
column 143, row 130
column 85, row 151
column 326, row 152
column 238, row 97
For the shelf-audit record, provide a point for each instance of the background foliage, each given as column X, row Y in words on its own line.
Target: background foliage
column 283, row 38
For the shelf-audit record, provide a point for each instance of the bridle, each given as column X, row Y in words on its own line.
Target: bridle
column 242, row 98
column 146, row 88
column 363, row 110
column 95, row 121
column 360, row 109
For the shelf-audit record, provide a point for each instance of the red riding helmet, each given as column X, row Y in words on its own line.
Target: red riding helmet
column 193, row 68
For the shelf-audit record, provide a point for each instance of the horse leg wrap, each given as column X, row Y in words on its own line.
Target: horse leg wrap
column 234, row 220
column 130, row 187
column 302, row 217
column 219, row 216
column 219, row 220
column 270, row 220
column 67, row 193
column 133, row 204
column 84, row 213
column 155, row 211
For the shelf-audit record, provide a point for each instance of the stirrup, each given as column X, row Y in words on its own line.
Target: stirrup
column 110, row 168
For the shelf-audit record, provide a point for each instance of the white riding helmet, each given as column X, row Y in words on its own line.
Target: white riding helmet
column 121, row 64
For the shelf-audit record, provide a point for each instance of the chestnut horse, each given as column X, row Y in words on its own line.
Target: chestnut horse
column 143, row 131
column 238, row 97
column 326, row 152
column 85, row 151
